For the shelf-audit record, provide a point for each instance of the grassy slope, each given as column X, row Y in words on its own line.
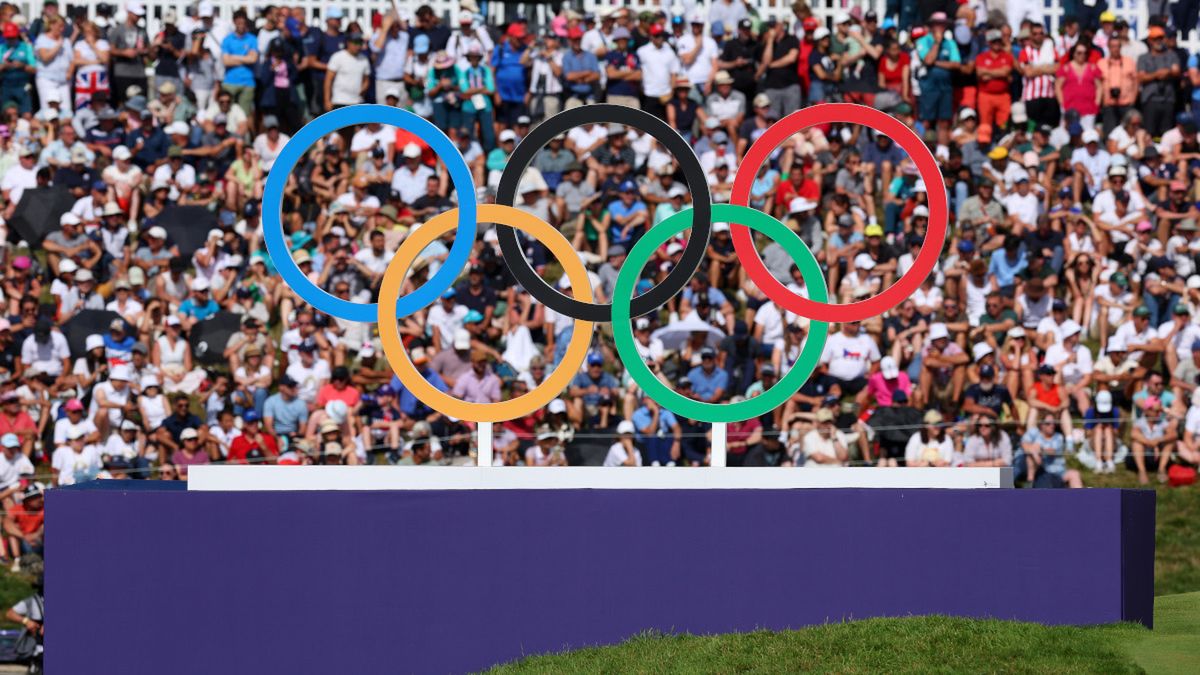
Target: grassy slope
column 916, row 644
column 1177, row 536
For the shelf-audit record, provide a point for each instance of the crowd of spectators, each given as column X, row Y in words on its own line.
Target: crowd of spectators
column 1062, row 317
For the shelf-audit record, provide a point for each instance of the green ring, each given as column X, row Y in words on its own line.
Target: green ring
column 795, row 378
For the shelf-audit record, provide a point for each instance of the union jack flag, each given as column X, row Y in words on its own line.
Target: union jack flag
column 87, row 84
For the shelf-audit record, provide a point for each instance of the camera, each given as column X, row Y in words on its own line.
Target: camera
column 1114, row 93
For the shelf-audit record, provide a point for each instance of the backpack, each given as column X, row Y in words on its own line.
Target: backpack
column 27, row 644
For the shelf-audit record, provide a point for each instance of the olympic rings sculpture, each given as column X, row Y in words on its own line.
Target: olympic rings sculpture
column 464, row 220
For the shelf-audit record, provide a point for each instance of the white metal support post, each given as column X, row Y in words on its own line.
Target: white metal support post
column 484, row 444
column 720, row 432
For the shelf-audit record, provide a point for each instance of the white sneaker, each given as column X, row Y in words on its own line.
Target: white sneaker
column 1112, row 467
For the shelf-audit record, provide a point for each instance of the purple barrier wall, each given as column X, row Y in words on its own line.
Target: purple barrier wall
column 434, row 581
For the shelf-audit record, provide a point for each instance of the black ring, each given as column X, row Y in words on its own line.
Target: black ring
column 689, row 163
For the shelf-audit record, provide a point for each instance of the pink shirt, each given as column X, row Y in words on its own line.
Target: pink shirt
column 883, row 389
column 1079, row 87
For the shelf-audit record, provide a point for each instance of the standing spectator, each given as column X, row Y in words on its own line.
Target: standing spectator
column 1039, row 61
column 623, row 71
column 347, row 75
column 54, row 63
column 659, row 65
column 1119, row 85
column 17, row 67
column 1157, row 74
column 478, row 87
column 130, row 47
column 939, row 54
column 580, row 71
column 994, row 69
column 777, row 69
column 508, row 62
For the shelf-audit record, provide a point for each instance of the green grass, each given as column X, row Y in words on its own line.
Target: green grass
column 13, row 588
column 1177, row 536
column 912, row 645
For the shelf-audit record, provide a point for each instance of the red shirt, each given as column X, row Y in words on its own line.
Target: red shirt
column 242, row 446
column 994, row 61
column 893, row 77
column 787, row 192
column 350, row 395
column 22, row 422
column 28, row 521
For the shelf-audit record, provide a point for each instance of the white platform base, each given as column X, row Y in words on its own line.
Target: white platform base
column 242, row 478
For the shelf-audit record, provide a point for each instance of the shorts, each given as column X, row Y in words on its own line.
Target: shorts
column 936, row 102
column 1090, row 417
column 849, row 387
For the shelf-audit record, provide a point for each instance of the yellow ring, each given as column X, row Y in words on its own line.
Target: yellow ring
column 416, row 383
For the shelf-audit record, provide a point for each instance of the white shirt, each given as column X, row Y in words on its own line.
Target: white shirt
column 618, row 455
column 71, row 466
column 308, row 380
column 849, row 357
column 347, row 72
column 1049, row 325
column 185, row 178
column 1024, row 209
column 64, row 426
column 446, row 322
column 925, row 451
column 1129, row 333
column 1096, row 165
column 1072, row 373
column 702, row 67
column 411, row 184
column 17, row 179
column 659, row 67
column 364, row 139
column 1182, row 342
column 48, row 356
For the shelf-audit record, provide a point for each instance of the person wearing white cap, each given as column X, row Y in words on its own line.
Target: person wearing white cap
column 886, row 381
column 861, row 280
column 624, row 452
column 199, row 305
column 126, row 178
column 1073, row 362
column 110, row 398
column 70, row 242
column 129, row 48
column 1091, row 162
column 411, row 176
column 75, row 461
column 943, row 369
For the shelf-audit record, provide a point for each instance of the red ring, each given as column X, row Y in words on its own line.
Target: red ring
column 927, row 168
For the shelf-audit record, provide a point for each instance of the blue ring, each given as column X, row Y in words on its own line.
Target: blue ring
column 272, row 223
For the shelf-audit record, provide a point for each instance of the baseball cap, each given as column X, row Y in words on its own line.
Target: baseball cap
column 1104, row 401
column 189, row 433
column 462, row 339
column 987, row 372
column 889, row 368
column 557, row 407
column 625, row 427
column 10, row 441
column 595, row 359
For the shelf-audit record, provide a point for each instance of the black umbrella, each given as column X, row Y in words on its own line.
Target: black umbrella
column 187, row 226
column 209, row 337
column 88, row 322
column 38, row 212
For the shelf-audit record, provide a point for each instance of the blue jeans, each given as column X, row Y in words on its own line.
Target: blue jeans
column 446, row 117
column 1160, row 307
column 655, row 449
column 560, row 344
column 241, row 403
column 891, row 217
column 487, row 131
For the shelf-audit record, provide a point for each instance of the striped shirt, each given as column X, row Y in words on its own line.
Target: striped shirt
column 1039, row 86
